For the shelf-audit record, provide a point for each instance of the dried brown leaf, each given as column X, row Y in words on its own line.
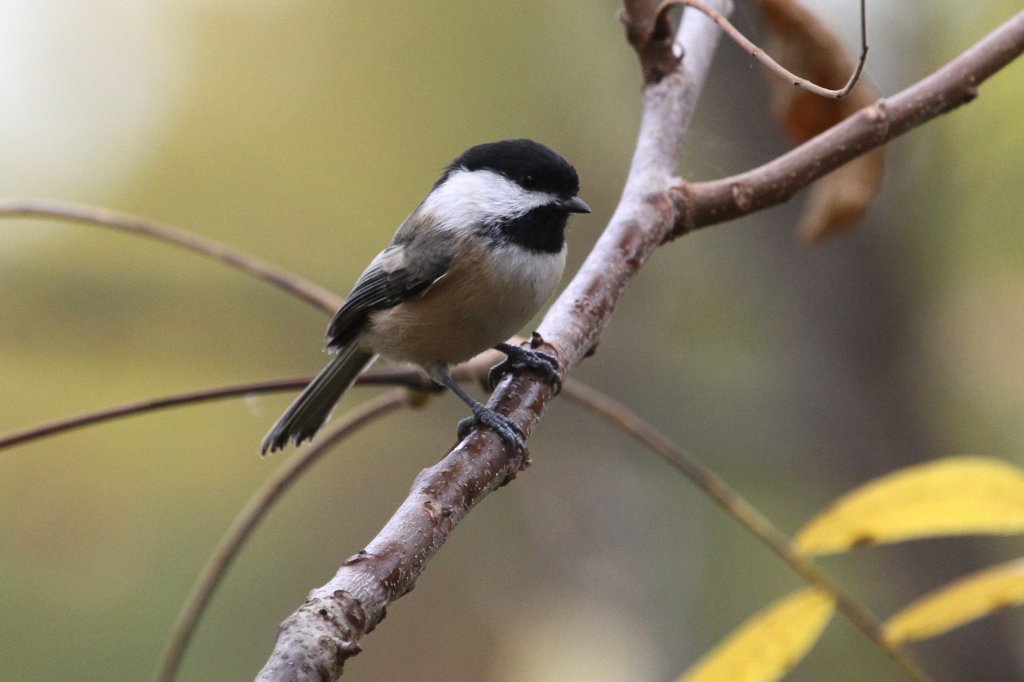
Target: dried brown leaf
column 807, row 46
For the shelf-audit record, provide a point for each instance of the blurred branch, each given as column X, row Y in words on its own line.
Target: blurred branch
column 254, row 511
column 707, row 203
column 742, row 512
column 94, row 215
column 315, row 641
column 106, row 414
column 409, row 377
column 772, row 65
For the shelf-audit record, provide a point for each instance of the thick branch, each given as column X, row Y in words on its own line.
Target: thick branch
column 255, row 509
column 314, row 642
column 707, row 203
column 644, row 215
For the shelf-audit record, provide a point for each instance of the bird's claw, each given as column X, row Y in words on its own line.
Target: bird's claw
column 525, row 358
column 507, row 429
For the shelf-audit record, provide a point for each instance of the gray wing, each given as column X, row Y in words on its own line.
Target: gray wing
column 405, row 269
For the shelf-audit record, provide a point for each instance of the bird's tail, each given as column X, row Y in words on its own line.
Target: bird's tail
column 310, row 410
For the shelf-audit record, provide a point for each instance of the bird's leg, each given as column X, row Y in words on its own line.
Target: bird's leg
column 526, row 358
column 505, row 427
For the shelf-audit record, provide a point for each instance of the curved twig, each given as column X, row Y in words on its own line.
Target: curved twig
column 94, row 215
column 763, row 57
column 247, row 519
column 742, row 512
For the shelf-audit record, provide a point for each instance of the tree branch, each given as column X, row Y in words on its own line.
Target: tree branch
column 109, row 413
column 93, row 215
column 745, row 515
column 255, row 509
column 410, row 377
column 708, row 203
column 315, row 641
column 772, row 65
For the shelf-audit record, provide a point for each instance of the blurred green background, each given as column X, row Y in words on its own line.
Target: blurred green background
column 303, row 132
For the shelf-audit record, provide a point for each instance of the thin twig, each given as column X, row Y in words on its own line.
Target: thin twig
column 410, row 377
column 255, row 509
column 94, row 215
column 106, row 414
column 742, row 512
column 763, row 57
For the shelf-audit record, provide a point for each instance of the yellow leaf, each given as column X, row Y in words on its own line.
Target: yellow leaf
column 958, row 603
column 955, row 496
column 770, row 643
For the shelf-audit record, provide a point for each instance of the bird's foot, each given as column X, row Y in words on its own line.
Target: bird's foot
column 507, row 429
column 525, row 358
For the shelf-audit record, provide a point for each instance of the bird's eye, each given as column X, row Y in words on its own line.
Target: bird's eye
column 529, row 181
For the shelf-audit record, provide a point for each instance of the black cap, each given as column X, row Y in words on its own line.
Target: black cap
column 527, row 163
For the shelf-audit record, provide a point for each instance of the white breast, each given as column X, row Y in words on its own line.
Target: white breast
column 531, row 276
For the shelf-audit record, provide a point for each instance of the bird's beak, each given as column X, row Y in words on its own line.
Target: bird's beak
column 575, row 205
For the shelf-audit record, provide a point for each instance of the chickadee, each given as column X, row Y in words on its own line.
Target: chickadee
column 464, row 272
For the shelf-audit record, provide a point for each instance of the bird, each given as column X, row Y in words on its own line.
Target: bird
column 472, row 264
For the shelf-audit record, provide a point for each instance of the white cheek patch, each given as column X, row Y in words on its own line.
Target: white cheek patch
column 480, row 197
